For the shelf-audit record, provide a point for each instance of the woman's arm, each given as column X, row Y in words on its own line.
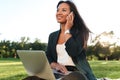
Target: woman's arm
column 74, row 46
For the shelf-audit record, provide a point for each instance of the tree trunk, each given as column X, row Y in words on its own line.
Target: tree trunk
column 106, row 58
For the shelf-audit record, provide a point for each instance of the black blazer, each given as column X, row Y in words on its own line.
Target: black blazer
column 74, row 50
column 73, row 47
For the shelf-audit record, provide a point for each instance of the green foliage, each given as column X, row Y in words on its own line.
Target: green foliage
column 94, row 52
column 8, row 49
column 92, row 57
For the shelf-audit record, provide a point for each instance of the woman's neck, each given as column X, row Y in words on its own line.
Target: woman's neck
column 62, row 26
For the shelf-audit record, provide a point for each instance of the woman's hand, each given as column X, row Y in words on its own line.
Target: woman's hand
column 59, row 67
column 69, row 23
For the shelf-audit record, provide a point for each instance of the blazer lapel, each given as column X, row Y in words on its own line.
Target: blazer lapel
column 55, row 40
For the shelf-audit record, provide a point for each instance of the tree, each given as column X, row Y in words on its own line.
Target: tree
column 23, row 42
column 103, row 42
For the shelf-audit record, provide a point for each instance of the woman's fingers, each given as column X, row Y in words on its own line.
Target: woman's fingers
column 63, row 69
column 70, row 19
column 59, row 67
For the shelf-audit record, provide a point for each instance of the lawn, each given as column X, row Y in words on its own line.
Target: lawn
column 12, row 69
column 109, row 69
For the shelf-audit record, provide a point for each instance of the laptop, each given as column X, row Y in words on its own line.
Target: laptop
column 36, row 64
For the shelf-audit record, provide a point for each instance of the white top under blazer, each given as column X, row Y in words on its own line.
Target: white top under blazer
column 63, row 57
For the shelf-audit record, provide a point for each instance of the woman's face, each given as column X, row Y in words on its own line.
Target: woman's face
column 62, row 13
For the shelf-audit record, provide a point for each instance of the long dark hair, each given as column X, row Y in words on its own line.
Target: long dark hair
column 79, row 27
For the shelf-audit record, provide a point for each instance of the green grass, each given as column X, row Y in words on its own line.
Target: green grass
column 109, row 69
column 12, row 69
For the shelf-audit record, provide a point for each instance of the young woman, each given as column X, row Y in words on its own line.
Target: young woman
column 67, row 46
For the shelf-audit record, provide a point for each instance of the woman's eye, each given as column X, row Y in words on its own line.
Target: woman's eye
column 64, row 10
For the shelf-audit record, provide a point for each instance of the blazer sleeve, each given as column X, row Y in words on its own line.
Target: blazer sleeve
column 48, row 51
column 74, row 47
column 51, row 48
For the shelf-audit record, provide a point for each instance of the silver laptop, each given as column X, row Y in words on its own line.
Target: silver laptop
column 36, row 64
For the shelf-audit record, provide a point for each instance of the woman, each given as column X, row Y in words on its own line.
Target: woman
column 67, row 46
